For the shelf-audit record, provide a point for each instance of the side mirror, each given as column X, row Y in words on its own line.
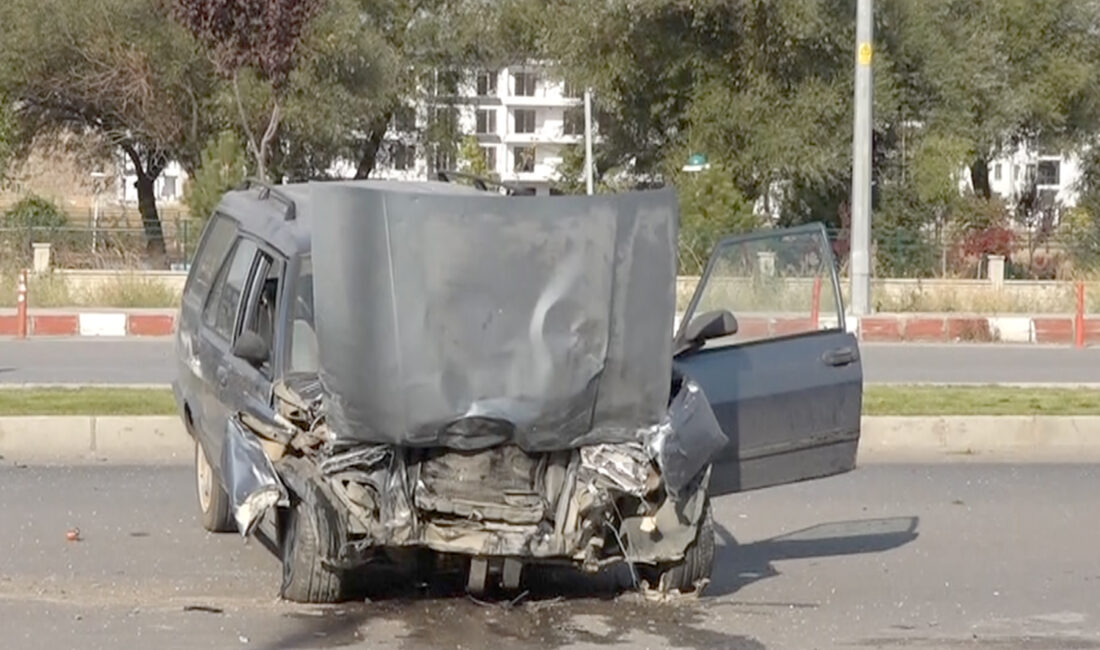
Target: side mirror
column 250, row 347
column 710, row 325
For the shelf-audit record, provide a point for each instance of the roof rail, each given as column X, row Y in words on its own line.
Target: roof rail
column 266, row 190
column 481, row 183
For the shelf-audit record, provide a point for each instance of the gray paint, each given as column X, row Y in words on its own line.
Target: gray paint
column 470, row 321
column 790, row 407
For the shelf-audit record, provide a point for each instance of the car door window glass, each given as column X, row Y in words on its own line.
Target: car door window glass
column 262, row 309
column 220, row 313
column 303, row 342
column 776, row 285
column 216, row 242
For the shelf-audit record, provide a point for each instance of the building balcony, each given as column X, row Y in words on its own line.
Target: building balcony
column 536, row 101
column 542, row 137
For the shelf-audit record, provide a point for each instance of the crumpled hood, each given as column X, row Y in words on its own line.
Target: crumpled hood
column 467, row 321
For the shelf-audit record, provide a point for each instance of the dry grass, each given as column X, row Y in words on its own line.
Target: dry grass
column 979, row 400
column 123, row 291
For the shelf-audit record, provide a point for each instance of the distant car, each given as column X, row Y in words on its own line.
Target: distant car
column 374, row 367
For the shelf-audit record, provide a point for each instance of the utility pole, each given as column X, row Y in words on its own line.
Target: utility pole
column 588, row 141
column 861, row 163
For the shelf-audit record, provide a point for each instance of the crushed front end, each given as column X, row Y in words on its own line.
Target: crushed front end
column 640, row 501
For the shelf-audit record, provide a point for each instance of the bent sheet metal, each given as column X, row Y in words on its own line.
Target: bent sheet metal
column 250, row 479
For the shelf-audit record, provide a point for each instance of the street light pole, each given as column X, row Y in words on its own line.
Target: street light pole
column 861, row 162
column 588, row 180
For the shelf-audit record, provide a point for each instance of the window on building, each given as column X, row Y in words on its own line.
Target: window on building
column 524, row 120
column 447, row 82
column 997, row 172
column 489, row 155
column 168, row 188
column 404, row 119
column 487, row 83
column 524, row 83
column 486, row 120
column 524, row 159
column 403, row 156
column 1015, row 173
column 573, row 121
column 443, row 157
column 572, row 91
column 444, row 124
column 1048, row 172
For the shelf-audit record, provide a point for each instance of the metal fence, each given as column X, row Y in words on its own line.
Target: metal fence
column 95, row 247
column 907, row 254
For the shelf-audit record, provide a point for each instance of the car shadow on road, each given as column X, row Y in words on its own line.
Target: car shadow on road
column 738, row 565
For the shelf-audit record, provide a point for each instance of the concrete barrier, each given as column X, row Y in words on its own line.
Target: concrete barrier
column 163, row 440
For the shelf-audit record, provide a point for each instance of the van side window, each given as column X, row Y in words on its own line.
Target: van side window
column 216, row 242
column 303, row 339
column 220, row 313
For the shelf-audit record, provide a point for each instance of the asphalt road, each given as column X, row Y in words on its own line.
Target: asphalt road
column 962, row 554
column 130, row 361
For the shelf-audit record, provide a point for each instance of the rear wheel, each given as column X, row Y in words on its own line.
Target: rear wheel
column 213, row 501
column 306, row 579
column 690, row 575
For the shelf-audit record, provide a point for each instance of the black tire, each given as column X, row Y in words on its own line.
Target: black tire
column 214, row 511
column 690, row 575
column 306, row 579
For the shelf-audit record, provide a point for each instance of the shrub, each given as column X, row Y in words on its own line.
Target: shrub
column 32, row 219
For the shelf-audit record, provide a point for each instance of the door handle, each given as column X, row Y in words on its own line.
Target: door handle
column 840, row 356
column 222, row 374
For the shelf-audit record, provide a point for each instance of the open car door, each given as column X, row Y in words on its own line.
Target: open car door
column 787, row 386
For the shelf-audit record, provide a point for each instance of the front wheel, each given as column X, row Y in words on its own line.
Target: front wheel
column 691, row 574
column 213, row 501
column 306, row 578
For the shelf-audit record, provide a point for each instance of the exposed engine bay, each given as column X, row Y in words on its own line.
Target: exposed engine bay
column 638, row 501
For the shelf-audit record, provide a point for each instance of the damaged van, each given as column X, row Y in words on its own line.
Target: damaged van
column 383, row 372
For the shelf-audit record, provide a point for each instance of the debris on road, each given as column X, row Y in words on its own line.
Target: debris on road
column 73, row 535
column 203, row 608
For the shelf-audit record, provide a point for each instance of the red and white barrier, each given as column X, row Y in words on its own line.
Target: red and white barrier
column 88, row 324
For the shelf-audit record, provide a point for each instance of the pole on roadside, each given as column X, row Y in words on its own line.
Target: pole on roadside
column 861, row 162
column 21, row 306
column 588, row 180
column 1079, row 317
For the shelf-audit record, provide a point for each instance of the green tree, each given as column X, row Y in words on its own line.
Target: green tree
column 1001, row 72
column 8, row 138
column 262, row 37
column 32, row 218
column 224, row 165
column 711, row 207
column 116, row 68
column 472, row 158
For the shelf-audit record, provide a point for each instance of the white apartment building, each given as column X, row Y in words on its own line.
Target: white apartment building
column 522, row 117
column 1055, row 176
column 168, row 187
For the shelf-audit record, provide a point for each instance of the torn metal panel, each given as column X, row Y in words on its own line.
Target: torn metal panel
column 688, row 439
column 250, row 479
column 473, row 321
column 625, row 467
column 665, row 535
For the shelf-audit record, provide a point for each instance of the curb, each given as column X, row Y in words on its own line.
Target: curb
column 163, row 439
column 80, row 439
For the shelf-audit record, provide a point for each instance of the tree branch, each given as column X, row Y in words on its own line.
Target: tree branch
column 272, row 128
column 135, row 157
column 244, row 121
